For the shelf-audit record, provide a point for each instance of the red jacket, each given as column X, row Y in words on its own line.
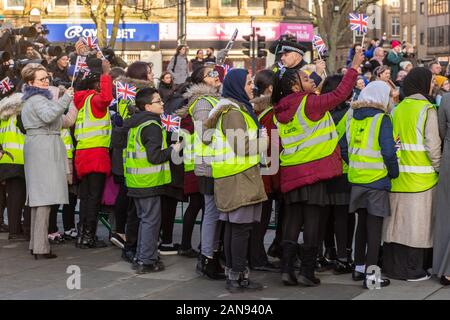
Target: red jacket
column 96, row 159
column 272, row 182
column 297, row 176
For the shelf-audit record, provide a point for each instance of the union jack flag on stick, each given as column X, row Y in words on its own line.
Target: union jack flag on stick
column 360, row 23
column 90, row 41
column 319, row 44
column 170, row 123
column 125, row 91
column 6, row 85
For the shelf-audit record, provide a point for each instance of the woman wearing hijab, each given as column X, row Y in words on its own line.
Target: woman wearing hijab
column 371, row 154
column 441, row 237
column 408, row 232
column 238, row 186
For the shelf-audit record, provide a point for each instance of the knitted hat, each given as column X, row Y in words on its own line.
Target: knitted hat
column 440, row 80
column 395, row 43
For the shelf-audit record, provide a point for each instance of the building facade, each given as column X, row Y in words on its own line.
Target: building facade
column 434, row 29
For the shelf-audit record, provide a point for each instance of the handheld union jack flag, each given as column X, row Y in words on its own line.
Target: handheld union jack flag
column 226, row 68
column 6, row 85
column 125, row 91
column 359, row 22
column 319, row 44
column 81, row 64
column 170, row 123
column 90, row 41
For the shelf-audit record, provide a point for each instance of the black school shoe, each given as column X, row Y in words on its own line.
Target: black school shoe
column 444, row 281
column 381, row 284
column 358, row 276
column 148, row 268
column 189, row 253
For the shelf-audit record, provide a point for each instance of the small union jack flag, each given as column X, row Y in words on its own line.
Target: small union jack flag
column 90, row 41
column 226, row 68
column 125, row 91
column 319, row 44
column 81, row 64
column 170, row 123
column 6, row 85
column 359, row 22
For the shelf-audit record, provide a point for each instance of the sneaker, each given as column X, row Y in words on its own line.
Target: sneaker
column 148, row 268
column 167, row 250
column 70, row 234
column 117, row 240
column 55, row 238
column 189, row 253
column 424, row 278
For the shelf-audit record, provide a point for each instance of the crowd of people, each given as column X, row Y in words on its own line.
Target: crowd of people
column 354, row 164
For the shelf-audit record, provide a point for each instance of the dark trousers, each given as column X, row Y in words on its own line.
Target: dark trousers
column 257, row 252
column 120, row 208
column 68, row 215
column 279, row 209
column 336, row 221
column 132, row 227
column 91, row 191
column 15, row 203
column 149, row 213
column 196, row 203
column 368, row 236
column 169, row 210
column 2, row 202
column 297, row 215
column 236, row 245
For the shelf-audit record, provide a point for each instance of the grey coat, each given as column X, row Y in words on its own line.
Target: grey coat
column 44, row 152
column 441, row 241
column 181, row 70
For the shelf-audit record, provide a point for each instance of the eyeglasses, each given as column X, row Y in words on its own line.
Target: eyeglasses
column 212, row 74
column 158, row 101
column 44, row 79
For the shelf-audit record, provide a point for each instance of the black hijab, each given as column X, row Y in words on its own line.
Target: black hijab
column 418, row 80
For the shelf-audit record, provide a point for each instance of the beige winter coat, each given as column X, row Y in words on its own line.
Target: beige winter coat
column 245, row 188
column 411, row 220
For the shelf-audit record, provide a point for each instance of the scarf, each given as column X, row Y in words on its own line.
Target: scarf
column 417, row 81
column 29, row 91
column 233, row 87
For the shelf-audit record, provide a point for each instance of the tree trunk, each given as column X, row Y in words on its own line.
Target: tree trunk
column 115, row 28
column 101, row 23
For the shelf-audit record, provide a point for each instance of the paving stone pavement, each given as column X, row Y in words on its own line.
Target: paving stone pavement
column 105, row 276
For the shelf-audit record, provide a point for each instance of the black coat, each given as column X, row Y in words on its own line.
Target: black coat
column 151, row 137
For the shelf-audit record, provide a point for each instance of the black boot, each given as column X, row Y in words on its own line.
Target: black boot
column 290, row 250
column 306, row 275
column 240, row 282
column 233, row 282
column 247, row 284
column 219, row 269
column 208, row 267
